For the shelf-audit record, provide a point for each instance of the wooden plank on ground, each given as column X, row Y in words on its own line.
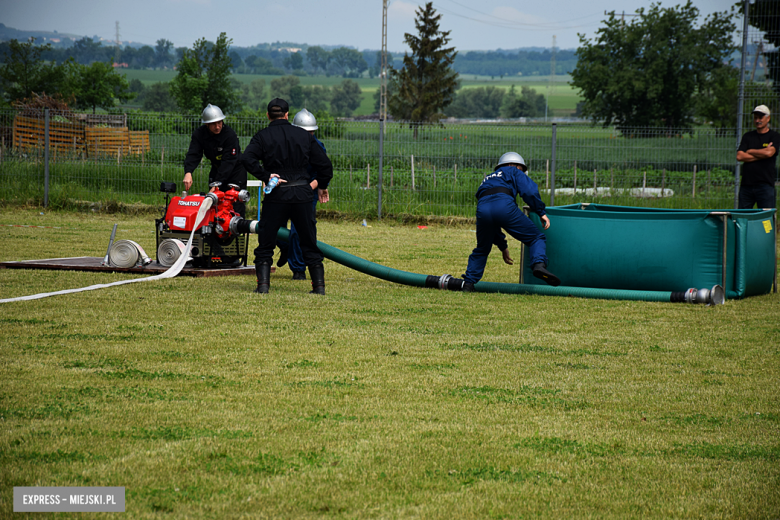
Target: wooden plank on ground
column 92, row 263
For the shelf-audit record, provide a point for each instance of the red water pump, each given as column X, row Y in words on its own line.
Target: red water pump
column 213, row 243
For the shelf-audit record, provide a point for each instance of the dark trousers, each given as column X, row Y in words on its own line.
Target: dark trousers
column 274, row 216
column 295, row 255
column 763, row 195
column 495, row 212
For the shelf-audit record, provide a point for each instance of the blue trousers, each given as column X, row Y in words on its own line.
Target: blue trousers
column 495, row 212
column 294, row 254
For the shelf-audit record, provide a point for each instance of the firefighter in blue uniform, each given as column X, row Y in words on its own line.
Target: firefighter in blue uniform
column 294, row 257
column 219, row 143
column 497, row 209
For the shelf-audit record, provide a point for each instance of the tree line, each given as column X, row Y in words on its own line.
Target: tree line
column 300, row 59
column 662, row 69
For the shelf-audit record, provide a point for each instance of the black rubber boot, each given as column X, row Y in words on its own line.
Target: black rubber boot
column 541, row 272
column 283, row 251
column 468, row 287
column 299, row 275
column 317, row 273
column 263, row 278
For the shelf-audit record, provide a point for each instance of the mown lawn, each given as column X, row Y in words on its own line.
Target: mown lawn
column 377, row 400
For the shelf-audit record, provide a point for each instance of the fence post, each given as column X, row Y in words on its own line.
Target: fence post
column 741, row 103
column 693, row 191
column 381, row 151
column 552, row 170
column 46, row 158
column 412, row 172
column 575, row 178
column 547, row 175
column 663, row 182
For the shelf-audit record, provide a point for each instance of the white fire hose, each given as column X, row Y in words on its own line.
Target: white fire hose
column 174, row 270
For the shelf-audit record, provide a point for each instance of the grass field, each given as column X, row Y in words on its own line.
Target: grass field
column 378, row 400
column 563, row 99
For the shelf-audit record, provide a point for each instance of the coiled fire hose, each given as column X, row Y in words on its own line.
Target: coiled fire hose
column 174, row 270
column 126, row 253
column 170, row 250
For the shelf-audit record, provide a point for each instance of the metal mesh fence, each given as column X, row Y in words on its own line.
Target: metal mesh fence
column 762, row 59
column 426, row 170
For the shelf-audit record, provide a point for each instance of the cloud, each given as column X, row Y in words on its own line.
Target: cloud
column 197, row 2
column 510, row 14
column 402, row 11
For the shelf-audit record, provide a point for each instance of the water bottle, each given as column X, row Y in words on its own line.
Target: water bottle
column 271, row 185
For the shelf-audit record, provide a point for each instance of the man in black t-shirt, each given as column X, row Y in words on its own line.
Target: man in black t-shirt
column 758, row 153
column 219, row 143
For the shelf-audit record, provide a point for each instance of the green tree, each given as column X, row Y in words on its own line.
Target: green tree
column 346, row 97
column 349, row 61
column 294, row 61
column 647, row 73
column 163, row 53
column 253, row 94
column 318, row 58
column 260, row 65
column 482, row 102
column 764, row 16
column 86, row 51
column 98, row 85
column 527, row 104
column 157, row 98
column 316, row 98
column 426, row 84
column 24, row 72
column 288, row 88
column 235, row 61
column 203, row 77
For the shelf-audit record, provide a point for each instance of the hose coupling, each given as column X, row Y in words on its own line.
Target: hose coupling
column 714, row 296
column 214, row 198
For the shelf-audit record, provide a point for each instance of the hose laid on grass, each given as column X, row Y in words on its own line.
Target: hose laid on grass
column 447, row 282
column 174, row 270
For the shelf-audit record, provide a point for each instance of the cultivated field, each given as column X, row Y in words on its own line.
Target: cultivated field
column 378, row 400
column 563, row 99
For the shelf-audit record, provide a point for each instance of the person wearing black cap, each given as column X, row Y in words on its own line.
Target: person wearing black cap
column 219, row 143
column 286, row 151
column 758, row 153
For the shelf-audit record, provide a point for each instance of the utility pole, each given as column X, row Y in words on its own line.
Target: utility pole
column 118, row 44
column 382, row 106
column 383, row 71
column 552, row 80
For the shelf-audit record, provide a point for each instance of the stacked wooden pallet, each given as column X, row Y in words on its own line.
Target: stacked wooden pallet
column 75, row 138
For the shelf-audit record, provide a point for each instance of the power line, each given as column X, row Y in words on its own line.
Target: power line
column 513, row 25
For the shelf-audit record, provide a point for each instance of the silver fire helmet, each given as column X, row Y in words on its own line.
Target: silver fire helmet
column 305, row 120
column 512, row 158
column 211, row 114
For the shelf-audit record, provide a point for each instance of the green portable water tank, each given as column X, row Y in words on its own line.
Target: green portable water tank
column 649, row 249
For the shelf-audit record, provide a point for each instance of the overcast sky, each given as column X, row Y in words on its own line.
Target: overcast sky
column 474, row 25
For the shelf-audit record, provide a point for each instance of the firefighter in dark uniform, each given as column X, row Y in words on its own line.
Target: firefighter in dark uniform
column 497, row 209
column 219, row 143
column 286, row 151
